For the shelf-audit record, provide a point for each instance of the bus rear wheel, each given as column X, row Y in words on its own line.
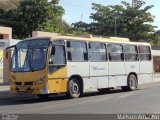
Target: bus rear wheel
column 131, row 83
column 74, row 88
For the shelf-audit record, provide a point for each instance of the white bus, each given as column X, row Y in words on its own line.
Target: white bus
column 74, row 65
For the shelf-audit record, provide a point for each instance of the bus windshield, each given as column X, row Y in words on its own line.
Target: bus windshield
column 29, row 55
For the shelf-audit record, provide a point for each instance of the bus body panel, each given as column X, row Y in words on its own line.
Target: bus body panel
column 78, row 68
column 81, row 69
column 26, row 82
column 117, row 75
column 145, row 74
column 132, row 67
column 98, row 75
column 90, row 83
column 57, row 81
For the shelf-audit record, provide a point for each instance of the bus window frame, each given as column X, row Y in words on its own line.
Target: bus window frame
column 57, row 66
column 106, row 52
column 9, row 48
column 137, row 53
column 51, row 46
column 86, row 44
column 122, row 54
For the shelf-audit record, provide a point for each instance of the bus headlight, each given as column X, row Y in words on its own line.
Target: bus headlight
column 40, row 81
column 11, row 82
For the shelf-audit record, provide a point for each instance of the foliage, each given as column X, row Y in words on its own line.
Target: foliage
column 155, row 39
column 80, row 28
column 125, row 20
column 33, row 15
column 138, row 20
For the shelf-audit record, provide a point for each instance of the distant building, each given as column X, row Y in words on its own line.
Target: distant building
column 5, row 41
column 156, row 58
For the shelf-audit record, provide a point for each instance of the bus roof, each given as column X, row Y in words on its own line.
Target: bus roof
column 99, row 39
column 94, row 39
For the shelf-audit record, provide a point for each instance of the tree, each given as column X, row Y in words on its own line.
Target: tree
column 125, row 20
column 156, row 38
column 105, row 19
column 33, row 15
column 80, row 26
column 138, row 19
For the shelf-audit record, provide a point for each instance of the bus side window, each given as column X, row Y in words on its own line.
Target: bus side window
column 115, row 52
column 57, row 55
column 77, row 51
column 144, row 53
column 131, row 52
column 97, row 52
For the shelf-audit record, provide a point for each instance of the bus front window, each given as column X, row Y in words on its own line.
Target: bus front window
column 29, row 55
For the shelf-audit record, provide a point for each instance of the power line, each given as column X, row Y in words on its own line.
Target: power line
column 75, row 5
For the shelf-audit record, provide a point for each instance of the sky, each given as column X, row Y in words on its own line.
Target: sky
column 80, row 10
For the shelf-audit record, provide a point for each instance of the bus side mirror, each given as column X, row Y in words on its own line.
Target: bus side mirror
column 8, row 50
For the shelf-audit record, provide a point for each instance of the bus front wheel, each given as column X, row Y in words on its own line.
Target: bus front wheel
column 74, row 88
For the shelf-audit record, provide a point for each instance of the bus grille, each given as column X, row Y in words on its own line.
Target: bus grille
column 18, row 83
column 25, row 83
column 28, row 83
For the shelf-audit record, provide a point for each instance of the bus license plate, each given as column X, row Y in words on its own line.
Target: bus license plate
column 22, row 89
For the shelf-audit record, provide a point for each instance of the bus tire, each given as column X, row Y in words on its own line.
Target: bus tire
column 43, row 96
column 132, row 82
column 74, row 88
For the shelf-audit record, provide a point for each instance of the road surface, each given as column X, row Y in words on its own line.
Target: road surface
column 144, row 100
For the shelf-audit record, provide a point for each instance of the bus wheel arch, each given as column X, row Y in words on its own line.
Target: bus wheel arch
column 75, row 82
column 128, row 87
column 132, row 77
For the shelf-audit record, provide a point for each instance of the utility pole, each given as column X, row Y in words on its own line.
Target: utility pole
column 81, row 16
column 115, row 25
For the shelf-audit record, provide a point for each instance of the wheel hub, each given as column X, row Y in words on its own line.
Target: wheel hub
column 132, row 83
column 74, row 88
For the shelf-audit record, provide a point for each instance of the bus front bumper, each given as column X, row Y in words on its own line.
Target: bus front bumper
column 34, row 89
